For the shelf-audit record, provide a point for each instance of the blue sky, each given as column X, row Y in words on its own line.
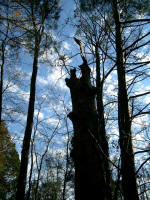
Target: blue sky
column 52, row 77
column 54, row 98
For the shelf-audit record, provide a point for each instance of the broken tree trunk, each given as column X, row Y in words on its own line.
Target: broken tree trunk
column 90, row 177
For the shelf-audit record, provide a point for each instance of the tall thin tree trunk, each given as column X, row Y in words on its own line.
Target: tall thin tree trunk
column 1, row 81
column 90, row 179
column 127, row 157
column 2, row 71
column 31, row 171
column 101, row 123
column 20, row 195
column 66, row 165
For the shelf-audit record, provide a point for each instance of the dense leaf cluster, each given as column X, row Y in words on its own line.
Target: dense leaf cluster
column 9, row 164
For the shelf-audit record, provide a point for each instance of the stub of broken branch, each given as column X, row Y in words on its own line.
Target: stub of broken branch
column 86, row 71
column 70, row 82
column 82, row 93
column 85, row 78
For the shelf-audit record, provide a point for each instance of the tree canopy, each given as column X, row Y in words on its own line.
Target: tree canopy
column 9, row 164
column 74, row 99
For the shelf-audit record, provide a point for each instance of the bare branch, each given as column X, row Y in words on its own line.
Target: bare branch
column 135, row 21
column 139, row 95
column 142, row 164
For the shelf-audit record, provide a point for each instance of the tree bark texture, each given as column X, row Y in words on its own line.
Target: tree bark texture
column 90, row 176
column 129, row 184
column 20, row 195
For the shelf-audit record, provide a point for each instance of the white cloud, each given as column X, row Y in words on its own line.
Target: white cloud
column 50, row 56
column 57, row 77
column 40, row 114
column 129, row 78
column 66, row 45
column 142, row 57
column 140, row 121
column 109, row 78
column 13, row 88
column 147, row 88
column 22, row 117
column 42, row 80
column 57, row 152
column 139, row 137
column 147, row 99
column 110, row 90
column 53, row 121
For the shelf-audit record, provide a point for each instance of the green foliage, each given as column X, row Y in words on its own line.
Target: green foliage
column 9, row 164
column 35, row 19
column 48, row 190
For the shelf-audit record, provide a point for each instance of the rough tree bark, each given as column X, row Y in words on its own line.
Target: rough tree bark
column 90, row 177
column 127, row 157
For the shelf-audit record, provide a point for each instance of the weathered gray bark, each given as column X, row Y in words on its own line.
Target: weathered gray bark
column 127, row 157
column 90, row 177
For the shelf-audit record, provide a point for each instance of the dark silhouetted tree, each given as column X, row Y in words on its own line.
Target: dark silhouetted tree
column 37, row 14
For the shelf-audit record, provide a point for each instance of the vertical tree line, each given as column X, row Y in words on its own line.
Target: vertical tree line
column 129, row 182
column 39, row 12
column 124, row 121
column 113, row 43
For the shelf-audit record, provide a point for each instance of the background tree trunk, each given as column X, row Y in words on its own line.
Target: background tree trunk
column 101, row 123
column 28, row 131
column 127, row 157
column 1, row 81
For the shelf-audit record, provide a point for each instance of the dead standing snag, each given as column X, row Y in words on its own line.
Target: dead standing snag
column 90, row 174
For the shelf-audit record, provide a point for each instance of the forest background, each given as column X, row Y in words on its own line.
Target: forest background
column 26, row 27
